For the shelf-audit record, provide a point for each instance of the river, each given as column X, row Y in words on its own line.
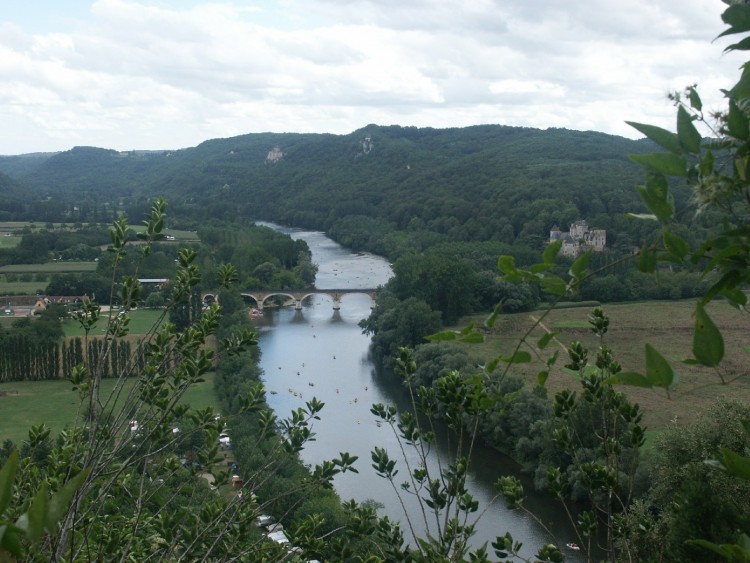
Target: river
column 318, row 351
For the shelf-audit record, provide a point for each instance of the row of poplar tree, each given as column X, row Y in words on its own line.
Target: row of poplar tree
column 25, row 358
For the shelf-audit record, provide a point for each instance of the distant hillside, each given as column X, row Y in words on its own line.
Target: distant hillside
column 22, row 164
column 11, row 196
column 487, row 182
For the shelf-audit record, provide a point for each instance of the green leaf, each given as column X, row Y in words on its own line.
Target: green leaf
column 725, row 285
column 676, row 245
column 735, row 464
column 707, row 163
column 690, row 138
column 695, row 99
column 467, row 329
column 546, row 339
column 541, row 377
column 737, row 122
column 551, row 251
column 10, row 540
column 665, row 162
column 490, row 321
column 519, row 357
column 646, row 260
column 631, row 378
column 742, row 45
column 656, row 196
column 742, row 88
column 658, row 370
column 472, row 338
column 506, row 265
column 442, row 336
column 60, row 501
column 552, row 359
column 662, row 137
column 708, row 344
column 554, row 285
column 579, row 265
column 728, row 551
column 539, row 268
column 736, row 297
column 32, row 521
column 737, row 16
column 7, row 475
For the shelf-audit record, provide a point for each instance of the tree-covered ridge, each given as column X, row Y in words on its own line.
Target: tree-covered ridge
column 486, row 182
column 11, row 194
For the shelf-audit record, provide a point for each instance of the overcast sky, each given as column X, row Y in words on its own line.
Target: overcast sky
column 167, row 74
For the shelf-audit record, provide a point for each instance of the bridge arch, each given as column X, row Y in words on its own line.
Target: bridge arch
column 260, row 296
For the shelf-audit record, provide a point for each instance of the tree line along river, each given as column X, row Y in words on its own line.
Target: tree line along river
column 321, row 352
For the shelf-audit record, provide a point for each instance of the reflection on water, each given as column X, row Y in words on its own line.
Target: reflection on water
column 321, row 352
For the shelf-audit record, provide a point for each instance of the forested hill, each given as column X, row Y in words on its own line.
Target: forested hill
column 11, row 193
column 488, row 182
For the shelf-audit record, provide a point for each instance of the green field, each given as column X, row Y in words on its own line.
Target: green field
column 180, row 236
column 141, row 322
column 9, row 241
column 25, row 403
column 49, row 268
column 22, row 288
column 667, row 325
column 35, row 225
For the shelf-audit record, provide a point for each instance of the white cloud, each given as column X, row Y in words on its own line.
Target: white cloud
column 171, row 73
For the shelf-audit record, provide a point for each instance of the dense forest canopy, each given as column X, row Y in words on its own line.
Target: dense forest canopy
column 414, row 186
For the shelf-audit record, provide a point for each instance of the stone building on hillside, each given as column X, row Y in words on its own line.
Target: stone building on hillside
column 579, row 239
column 274, row 155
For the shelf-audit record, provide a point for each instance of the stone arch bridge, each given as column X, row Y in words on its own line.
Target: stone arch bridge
column 260, row 296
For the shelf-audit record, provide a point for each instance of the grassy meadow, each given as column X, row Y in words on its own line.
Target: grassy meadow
column 179, row 235
column 666, row 325
column 32, row 279
column 50, row 268
column 141, row 322
column 9, row 241
column 22, row 287
column 25, row 403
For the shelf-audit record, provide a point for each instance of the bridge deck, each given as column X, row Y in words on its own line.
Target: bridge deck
column 261, row 295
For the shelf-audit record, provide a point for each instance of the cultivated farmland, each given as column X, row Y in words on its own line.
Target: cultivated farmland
column 667, row 325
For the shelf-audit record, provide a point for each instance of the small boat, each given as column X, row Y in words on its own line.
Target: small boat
column 573, row 546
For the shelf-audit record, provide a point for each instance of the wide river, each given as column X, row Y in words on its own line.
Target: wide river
column 320, row 352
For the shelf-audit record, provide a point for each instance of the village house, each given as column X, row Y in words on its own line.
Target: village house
column 579, row 239
column 42, row 302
